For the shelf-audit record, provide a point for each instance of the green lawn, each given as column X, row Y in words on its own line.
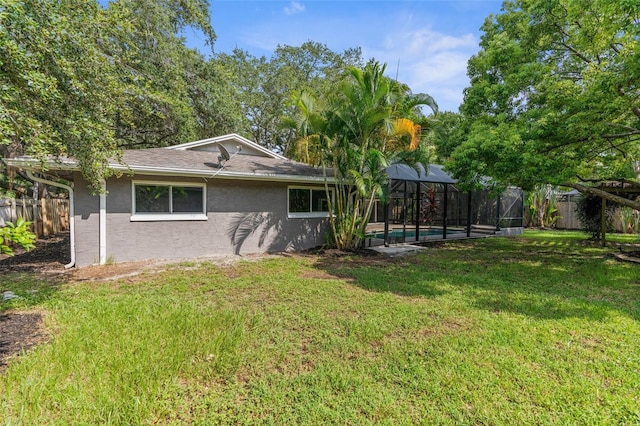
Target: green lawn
column 543, row 329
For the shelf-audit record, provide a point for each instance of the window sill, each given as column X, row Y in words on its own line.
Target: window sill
column 314, row 215
column 165, row 217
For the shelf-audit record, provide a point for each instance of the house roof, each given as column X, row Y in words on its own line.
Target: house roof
column 233, row 143
column 196, row 163
column 204, row 158
column 248, row 161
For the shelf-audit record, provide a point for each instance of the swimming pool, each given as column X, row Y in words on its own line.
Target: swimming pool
column 409, row 233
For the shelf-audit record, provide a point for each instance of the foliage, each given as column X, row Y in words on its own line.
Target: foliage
column 83, row 80
column 541, row 206
column 429, row 206
column 266, row 88
column 589, row 213
column 629, row 219
column 554, row 96
column 86, row 79
column 17, row 234
column 493, row 331
column 365, row 127
column 449, row 129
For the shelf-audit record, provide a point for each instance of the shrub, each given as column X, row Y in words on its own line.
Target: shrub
column 542, row 206
column 17, row 234
column 589, row 212
column 630, row 220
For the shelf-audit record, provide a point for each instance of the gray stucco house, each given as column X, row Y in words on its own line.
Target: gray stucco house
column 224, row 195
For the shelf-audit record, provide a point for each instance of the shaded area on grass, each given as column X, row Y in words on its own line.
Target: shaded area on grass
column 344, row 338
column 377, row 272
column 543, row 278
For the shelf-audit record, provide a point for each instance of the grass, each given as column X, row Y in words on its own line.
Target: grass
column 536, row 330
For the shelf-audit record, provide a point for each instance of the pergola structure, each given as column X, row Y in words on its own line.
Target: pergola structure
column 426, row 205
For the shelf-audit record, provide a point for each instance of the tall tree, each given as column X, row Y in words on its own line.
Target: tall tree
column 267, row 87
column 78, row 79
column 160, row 70
column 449, row 130
column 365, row 127
column 59, row 88
column 554, row 96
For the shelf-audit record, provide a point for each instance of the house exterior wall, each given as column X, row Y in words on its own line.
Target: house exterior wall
column 242, row 217
column 87, row 209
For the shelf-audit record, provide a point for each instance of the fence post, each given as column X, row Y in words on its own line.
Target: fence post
column 36, row 225
column 45, row 218
column 12, row 210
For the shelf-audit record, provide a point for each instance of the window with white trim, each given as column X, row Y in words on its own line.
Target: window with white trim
column 156, row 201
column 308, row 202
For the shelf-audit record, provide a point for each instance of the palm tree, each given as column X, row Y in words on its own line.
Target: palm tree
column 369, row 125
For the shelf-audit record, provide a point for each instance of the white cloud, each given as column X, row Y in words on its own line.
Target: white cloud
column 294, row 8
column 429, row 62
column 432, row 61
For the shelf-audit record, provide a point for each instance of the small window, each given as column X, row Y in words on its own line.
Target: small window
column 168, row 201
column 308, row 202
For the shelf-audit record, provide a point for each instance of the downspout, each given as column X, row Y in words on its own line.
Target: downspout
column 102, row 221
column 72, row 232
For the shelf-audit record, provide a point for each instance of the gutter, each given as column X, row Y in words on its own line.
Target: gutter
column 220, row 174
column 71, row 214
column 175, row 171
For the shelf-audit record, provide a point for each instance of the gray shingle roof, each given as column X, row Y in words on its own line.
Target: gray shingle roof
column 206, row 164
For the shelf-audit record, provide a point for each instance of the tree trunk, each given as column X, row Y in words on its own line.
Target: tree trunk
column 634, row 204
column 603, row 222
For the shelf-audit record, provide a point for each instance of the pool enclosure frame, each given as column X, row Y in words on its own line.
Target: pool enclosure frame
column 426, row 205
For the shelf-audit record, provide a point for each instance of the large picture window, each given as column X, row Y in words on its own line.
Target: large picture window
column 168, row 201
column 308, row 202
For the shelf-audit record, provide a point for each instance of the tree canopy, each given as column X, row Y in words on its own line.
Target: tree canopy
column 267, row 88
column 79, row 79
column 86, row 80
column 554, row 96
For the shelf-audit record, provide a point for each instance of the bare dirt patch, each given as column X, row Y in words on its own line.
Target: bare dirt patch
column 318, row 275
column 20, row 330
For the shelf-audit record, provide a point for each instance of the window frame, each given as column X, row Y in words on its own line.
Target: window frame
column 310, row 214
column 170, row 216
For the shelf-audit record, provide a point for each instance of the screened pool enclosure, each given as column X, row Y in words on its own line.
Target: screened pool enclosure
column 426, row 205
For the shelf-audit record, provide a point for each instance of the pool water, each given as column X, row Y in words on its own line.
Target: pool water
column 410, row 233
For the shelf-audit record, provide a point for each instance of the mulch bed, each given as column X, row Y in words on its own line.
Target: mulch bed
column 20, row 331
column 50, row 254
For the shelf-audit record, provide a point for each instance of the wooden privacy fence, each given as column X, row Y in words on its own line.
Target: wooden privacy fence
column 49, row 216
column 568, row 218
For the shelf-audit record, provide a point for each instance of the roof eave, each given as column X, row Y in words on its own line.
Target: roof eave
column 166, row 171
column 35, row 165
column 219, row 174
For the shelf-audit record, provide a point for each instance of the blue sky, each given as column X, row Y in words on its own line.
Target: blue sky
column 431, row 40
